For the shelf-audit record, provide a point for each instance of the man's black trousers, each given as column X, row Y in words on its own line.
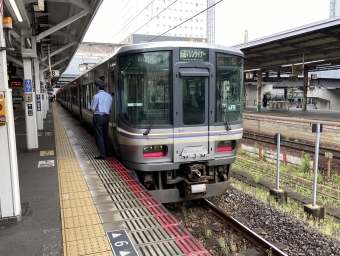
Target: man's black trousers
column 101, row 135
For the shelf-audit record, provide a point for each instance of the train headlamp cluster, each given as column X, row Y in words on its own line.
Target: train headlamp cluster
column 155, row 151
column 226, row 145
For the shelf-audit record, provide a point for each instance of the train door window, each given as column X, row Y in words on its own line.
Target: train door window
column 74, row 95
column 229, row 85
column 112, row 88
column 193, row 100
column 84, row 92
column 144, row 90
column 88, row 97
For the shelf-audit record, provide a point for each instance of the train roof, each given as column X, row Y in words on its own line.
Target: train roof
column 164, row 44
column 169, row 44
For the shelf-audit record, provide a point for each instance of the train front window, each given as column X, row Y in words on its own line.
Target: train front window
column 229, row 84
column 144, row 89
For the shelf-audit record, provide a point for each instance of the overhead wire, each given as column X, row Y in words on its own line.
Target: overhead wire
column 186, row 20
column 131, row 20
column 164, row 9
column 154, row 17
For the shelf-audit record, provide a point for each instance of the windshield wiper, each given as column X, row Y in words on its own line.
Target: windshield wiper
column 227, row 118
column 153, row 120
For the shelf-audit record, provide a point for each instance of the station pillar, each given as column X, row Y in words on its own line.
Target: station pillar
column 305, row 88
column 40, row 125
column 30, row 107
column 45, row 95
column 10, row 206
column 259, row 94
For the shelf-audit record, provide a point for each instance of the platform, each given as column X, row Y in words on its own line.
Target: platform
column 82, row 206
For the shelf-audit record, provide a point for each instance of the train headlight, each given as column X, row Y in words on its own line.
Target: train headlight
column 155, row 151
column 226, row 145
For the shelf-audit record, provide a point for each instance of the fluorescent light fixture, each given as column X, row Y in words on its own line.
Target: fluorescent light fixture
column 249, row 70
column 41, row 5
column 301, row 63
column 16, row 10
column 321, row 65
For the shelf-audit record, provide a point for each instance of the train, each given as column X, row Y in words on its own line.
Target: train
column 176, row 118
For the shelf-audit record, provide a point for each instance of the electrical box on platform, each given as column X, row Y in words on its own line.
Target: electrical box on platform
column 2, row 109
column 28, row 47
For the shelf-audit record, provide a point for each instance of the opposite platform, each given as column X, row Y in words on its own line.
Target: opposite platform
column 294, row 124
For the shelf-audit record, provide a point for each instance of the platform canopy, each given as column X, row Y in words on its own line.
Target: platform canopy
column 316, row 45
column 58, row 26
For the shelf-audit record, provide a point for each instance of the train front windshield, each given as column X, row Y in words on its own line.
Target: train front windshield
column 144, row 88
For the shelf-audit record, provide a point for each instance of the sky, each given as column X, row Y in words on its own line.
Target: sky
column 232, row 17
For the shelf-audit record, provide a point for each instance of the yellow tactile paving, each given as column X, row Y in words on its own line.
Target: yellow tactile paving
column 87, row 246
column 78, row 211
column 83, row 232
column 81, row 221
column 78, row 195
column 76, row 203
column 80, row 233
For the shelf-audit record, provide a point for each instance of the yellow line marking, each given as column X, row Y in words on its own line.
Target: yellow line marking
column 83, row 232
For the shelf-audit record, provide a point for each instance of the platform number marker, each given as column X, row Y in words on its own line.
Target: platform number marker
column 121, row 243
column 55, row 73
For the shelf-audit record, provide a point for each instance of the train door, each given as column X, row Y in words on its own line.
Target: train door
column 80, row 103
column 192, row 118
column 113, row 113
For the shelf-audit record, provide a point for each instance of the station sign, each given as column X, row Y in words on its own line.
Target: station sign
column 272, row 79
column 249, row 76
column 293, row 78
column 28, row 85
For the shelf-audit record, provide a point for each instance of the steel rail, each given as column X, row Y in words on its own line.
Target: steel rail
column 245, row 231
column 284, row 144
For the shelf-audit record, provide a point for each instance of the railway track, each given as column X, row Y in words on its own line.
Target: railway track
column 292, row 144
column 291, row 180
column 220, row 233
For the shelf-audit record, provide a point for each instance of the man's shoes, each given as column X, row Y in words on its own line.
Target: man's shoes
column 99, row 157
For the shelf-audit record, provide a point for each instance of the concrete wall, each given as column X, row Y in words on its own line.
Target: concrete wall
column 271, row 156
column 326, row 98
column 292, row 129
column 251, row 92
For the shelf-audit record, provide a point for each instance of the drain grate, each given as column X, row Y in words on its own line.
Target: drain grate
column 123, row 197
column 121, row 205
column 134, row 213
column 118, row 190
column 140, row 224
column 149, row 236
column 159, row 249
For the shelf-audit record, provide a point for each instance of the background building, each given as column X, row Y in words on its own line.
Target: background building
column 167, row 18
column 334, row 10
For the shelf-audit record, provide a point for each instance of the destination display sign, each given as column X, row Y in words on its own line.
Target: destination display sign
column 193, row 54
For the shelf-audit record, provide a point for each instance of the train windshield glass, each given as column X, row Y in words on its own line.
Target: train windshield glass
column 229, row 83
column 144, row 89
